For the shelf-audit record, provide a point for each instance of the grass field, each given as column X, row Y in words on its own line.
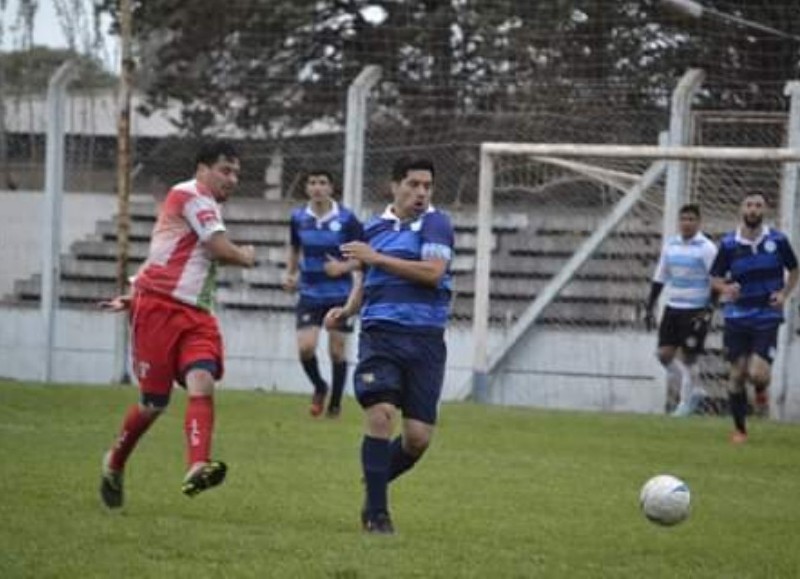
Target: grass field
column 502, row 493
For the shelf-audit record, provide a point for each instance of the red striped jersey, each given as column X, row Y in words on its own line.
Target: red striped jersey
column 177, row 264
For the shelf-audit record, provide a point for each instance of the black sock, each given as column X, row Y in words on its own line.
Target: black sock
column 312, row 371
column 400, row 460
column 339, row 377
column 375, row 464
column 738, row 402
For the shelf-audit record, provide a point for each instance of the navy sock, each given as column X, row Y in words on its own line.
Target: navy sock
column 312, row 371
column 738, row 402
column 400, row 460
column 339, row 376
column 375, row 462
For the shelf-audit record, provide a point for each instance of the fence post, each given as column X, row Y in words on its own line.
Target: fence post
column 680, row 134
column 789, row 225
column 354, row 136
column 483, row 259
column 53, row 193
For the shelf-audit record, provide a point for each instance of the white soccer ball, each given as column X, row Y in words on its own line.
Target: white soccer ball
column 665, row 500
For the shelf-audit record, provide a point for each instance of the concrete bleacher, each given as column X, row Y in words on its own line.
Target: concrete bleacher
column 88, row 271
column 529, row 246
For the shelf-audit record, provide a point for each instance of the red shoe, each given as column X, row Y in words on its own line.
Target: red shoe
column 317, row 405
column 738, row 437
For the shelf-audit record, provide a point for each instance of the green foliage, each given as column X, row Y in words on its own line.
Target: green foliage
column 28, row 71
column 271, row 65
column 503, row 493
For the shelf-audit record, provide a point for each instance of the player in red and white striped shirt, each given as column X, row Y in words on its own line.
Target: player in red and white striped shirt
column 174, row 334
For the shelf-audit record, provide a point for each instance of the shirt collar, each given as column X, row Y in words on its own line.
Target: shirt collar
column 390, row 215
column 697, row 237
column 333, row 212
column 744, row 241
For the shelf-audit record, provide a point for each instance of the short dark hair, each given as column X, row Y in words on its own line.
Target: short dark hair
column 319, row 173
column 692, row 208
column 753, row 193
column 404, row 165
column 211, row 151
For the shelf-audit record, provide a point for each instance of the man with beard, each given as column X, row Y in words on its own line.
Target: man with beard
column 404, row 300
column 750, row 275
column 174, row 333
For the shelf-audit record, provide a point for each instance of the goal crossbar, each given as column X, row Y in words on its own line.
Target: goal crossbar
column 653, row 152
column 485, row 362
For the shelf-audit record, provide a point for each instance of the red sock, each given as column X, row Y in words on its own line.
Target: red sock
column 134, row 426
column 199, row 426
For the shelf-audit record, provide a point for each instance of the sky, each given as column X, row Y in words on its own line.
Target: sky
column 47, row 30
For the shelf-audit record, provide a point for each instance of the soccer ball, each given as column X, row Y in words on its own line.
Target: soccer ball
column 665, row 500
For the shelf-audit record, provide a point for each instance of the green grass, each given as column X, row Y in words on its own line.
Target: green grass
column 502, row 493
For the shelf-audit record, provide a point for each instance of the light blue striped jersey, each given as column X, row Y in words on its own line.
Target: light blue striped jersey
column 758, row 266
column 684, row 268
column 395, row 302
column 318, row 238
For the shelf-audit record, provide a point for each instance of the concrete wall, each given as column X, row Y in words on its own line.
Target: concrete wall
column 550, row 369
column 21, row 234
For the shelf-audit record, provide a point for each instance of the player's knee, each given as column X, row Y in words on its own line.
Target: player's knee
column 153, row 404
column 380, row 419
column 416, row 444
column 665, row 357
column 307, row 350
column 200, row 377
column 760, row 379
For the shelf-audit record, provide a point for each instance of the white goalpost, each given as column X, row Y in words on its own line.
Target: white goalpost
column 641, row 210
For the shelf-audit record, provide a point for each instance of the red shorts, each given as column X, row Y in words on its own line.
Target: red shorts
column 167, row 338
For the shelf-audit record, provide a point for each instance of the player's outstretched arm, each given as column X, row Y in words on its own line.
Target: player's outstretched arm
column 222, row 249
column 116, row 304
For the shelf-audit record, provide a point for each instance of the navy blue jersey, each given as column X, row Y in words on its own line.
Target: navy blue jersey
column 759, row 268
column 318, row 238
column 392, row 301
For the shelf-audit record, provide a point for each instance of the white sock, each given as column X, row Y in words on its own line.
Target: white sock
column 686, row 380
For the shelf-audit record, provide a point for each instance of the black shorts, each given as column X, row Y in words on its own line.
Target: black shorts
column 309, row 315
column 684, row 329
column 742, row 339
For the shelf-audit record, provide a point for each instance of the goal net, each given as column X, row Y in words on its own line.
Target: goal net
column 558, row 301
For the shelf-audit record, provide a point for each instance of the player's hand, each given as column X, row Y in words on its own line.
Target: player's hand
column 117, row 304
column 248, row 255
column 777, row 299
column 731, row 292
column 360, row 251
column 649, row 320
column 334, row 318
column 334, row 267
column 289, row 282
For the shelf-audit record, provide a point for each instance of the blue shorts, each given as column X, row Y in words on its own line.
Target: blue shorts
column 309, row 315
column 404, row 369
column 742, row 340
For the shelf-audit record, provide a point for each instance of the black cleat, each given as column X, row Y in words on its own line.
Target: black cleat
column 377, row 524
column 203, row 477
column 110, row 485
column 334, row 412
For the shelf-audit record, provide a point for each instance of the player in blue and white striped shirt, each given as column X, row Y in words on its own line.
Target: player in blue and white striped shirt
column 683, row 266
column 315, row 268
column 750, row 273
column 401, row 360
